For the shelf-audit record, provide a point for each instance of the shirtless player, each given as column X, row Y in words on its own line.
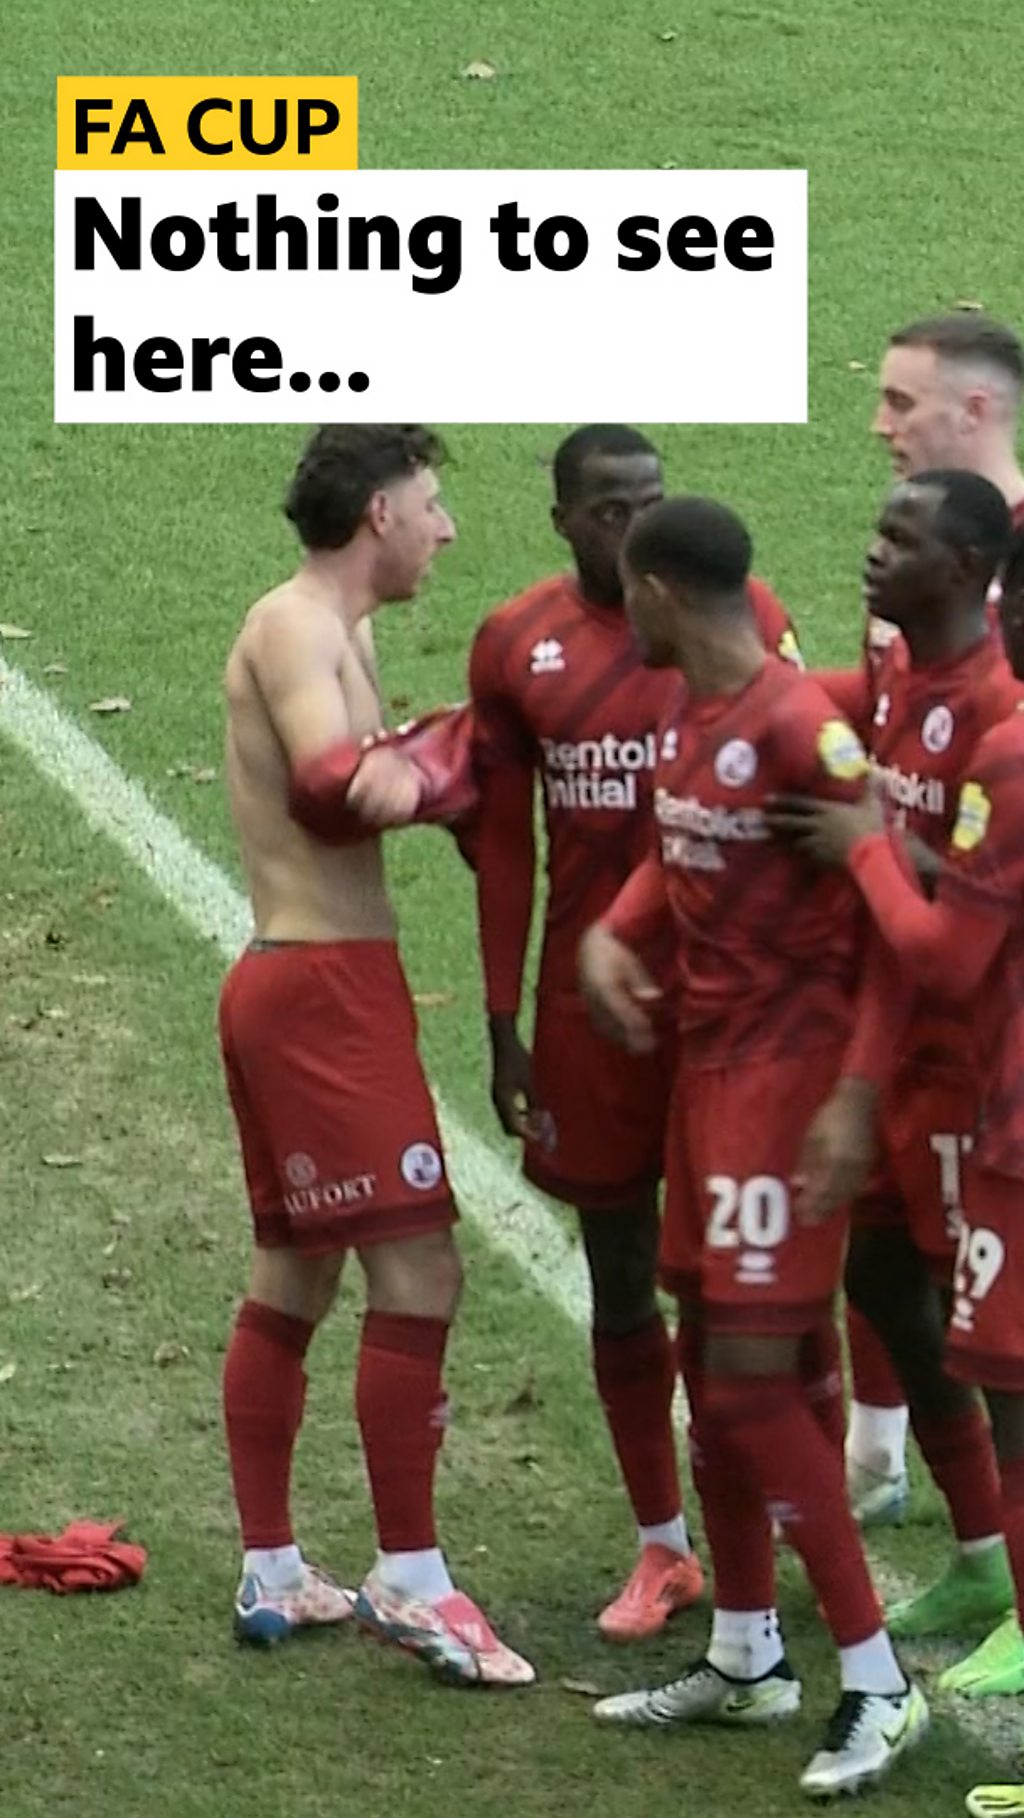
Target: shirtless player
column 338, row 1134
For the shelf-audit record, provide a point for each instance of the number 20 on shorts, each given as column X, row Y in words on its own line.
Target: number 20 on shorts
column 751, row 1214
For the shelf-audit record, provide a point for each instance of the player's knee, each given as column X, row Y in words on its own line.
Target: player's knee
column 420, row 1277
column 622, row 1249
column 304, row 1287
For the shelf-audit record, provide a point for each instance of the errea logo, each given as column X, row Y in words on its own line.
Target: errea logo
column 547, row 657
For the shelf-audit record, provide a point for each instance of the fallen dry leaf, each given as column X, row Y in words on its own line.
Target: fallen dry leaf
column 433, row 1000
column 55, row 669
column 93, row 979
column 62, row 1161
column 961, row 303
column 669, row 164
column 114, row 703
column 54, row 937
column 480, row 70
column 400, row 703
column 855, row 366
column 18, row 1296
column 8, row 1370
column 668, row 37
column 585, row 1688
column 170, row 1353
column 10, row 632
column 56, row 1015
column 194, row 773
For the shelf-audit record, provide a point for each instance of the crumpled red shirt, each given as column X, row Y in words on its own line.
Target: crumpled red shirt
column 86, row 1557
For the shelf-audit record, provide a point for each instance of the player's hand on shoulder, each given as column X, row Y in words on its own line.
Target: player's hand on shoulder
column 386, row 789
column 838, row 1152
column 619, row 991
column 825, row 832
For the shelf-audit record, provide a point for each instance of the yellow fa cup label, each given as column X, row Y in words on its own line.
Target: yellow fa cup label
column 974, row 811
column 841, row 751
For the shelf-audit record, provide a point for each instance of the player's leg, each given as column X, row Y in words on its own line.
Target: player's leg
column 742, row 1678
column 767, row 1284
column 876, row 1436
column 408, row 1598
column 635, row 1372
column 264, row 1394
column 598, row 1146
column 986, row 1347
column 893, row 1283
column 264, row 1379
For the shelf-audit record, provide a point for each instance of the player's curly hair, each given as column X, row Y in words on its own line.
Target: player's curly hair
column 340, row 469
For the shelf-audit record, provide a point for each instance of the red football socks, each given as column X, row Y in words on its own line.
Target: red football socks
column 875, row 1382
column 821, row 1372
column 961, row 1458
column 402, row 1410
column 264, row 1387
column 764, row 1427
column 636, row 1377
column 1011, row 1475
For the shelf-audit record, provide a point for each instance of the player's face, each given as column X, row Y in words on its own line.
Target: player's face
column 924, row 413
column 612, row 490
column 413, row 525
column 651, row 618
column 909, row 568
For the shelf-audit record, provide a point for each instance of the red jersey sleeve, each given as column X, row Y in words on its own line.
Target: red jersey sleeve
column 775, row 624
column 817, row 750
column 852, row 693
column 505, row 847
column 641, row 913
column 949, row 944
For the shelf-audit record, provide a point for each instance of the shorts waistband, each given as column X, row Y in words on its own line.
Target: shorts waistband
column 380, row 943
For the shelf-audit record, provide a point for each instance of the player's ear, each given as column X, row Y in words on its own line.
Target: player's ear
column 977, row 405
column 378, row 512
column 558, row 520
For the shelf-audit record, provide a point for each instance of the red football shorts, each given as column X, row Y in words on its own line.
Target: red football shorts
column 602, row 1111
column 928, row 1122
column 337, row 1127
column 986, row 1330
column 730, row 1240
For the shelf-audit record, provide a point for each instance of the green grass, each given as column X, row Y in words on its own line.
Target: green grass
column 131, row 554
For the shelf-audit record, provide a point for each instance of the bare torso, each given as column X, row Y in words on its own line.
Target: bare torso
column 300, row 888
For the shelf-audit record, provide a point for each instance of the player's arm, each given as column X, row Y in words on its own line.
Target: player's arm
column 295, row 664
column 616, row 984
column 948, row 945
column 826, row 757
column 778, row 632
column 850, row 689
column 505, row 855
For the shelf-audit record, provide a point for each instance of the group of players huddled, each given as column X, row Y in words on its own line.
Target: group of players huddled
column 781, row 990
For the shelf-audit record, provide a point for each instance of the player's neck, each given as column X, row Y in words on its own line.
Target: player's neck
column 342, row 576
column 716, row 665
column 946, row 635
column 999, row 464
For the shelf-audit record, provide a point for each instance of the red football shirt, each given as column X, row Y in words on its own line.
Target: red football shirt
column 769, row 951
column 968, row 946
column 559, row 691
column 927, row 723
